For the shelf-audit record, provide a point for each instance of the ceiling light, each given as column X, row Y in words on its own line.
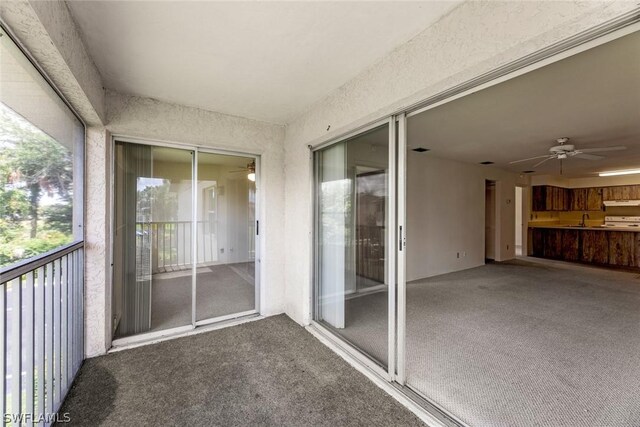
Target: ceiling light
column 622, row 172
column 252, row 176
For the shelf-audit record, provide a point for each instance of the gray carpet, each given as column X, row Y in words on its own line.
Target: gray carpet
column 522, row 343
column 269, row 372
column 221, row 290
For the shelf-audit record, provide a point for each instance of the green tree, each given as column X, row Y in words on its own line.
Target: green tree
column 32, row 161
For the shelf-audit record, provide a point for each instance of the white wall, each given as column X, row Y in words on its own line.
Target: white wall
column 446, row 215
column 473, row 39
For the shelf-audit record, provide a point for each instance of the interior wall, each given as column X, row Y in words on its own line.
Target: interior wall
column 473, row 39
column 446, row 215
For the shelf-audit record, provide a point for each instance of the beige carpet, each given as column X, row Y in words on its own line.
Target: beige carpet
column 520, row 343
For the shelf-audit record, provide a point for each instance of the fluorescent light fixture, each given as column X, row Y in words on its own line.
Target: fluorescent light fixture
column 623, row 172
column 252, row 176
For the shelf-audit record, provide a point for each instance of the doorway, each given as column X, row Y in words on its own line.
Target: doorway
column 519, row 222
column 185, row 232
column 490, row 221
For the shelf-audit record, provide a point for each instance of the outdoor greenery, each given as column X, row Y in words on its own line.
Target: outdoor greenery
column 34, row 168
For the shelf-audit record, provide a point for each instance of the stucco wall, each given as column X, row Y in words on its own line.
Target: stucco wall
column 97, row 241
column 46, row 29
column 473, row 39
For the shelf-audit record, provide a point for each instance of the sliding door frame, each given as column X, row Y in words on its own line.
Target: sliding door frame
column 390, row 277
column 608, row 31
column 180, row 330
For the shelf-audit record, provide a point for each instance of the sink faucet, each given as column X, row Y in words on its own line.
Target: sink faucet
column 582, row 223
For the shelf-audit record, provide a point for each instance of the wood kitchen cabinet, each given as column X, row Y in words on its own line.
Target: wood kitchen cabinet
column 578, row 199
column 553, row 244
column 539, row 198
column 594, row 199
column 594, row 247
column 621, row 192
column 550, row 198
column 571, row 245
column 622, row 248
column 605, row 247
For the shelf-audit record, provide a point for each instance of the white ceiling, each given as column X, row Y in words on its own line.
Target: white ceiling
column 592, row 97
column 262, row 60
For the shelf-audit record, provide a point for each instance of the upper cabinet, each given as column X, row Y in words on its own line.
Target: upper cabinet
column 594, row 199
column 550, row 198
column 621, row 192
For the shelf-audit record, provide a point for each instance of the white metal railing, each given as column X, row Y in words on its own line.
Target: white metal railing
column 41, row 334
column 171, row 245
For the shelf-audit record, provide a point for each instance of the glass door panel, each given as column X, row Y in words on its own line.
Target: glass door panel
column 152, row 240
column 225, row 235
column 352, row 257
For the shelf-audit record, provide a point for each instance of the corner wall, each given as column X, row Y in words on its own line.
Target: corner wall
column 446, row 215
column 473, row 39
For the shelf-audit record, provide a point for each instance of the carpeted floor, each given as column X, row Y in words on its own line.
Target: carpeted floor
column 269, row 372
column 520, row 343
column 221, row 290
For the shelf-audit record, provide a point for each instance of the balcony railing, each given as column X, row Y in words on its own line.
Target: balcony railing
column 169, row 245
column 41, row 334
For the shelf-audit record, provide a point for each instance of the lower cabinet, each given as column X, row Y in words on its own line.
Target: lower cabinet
column 594, row 247
column 571, row 245
column 553, row 244
column 620, row 248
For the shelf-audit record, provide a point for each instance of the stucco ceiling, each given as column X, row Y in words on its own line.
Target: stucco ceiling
column 592, row 97
column 264, row 60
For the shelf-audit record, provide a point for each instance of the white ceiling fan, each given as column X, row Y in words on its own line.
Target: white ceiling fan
column 564, row 151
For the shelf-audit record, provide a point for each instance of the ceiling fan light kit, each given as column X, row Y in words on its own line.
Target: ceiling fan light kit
column 564, row 151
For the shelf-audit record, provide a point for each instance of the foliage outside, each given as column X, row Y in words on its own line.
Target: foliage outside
column 36, row 176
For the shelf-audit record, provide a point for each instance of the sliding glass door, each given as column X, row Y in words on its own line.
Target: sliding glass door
column 184, row 238
column 354, row 256
column 226, row 230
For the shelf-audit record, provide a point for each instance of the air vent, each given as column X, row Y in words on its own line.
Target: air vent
column 486, row 163
column 420, row 149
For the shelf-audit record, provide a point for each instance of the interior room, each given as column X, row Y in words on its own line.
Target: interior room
column 550, row 330
column 181, row 258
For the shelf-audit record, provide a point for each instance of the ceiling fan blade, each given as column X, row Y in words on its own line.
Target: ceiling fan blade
column 539, row 163
column 530, row 158
column 581, row 155
column 603, row 149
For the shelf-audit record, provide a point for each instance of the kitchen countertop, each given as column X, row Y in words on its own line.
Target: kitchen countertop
column 592, row 227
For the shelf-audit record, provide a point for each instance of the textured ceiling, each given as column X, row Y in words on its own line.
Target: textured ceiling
column 263, row 60
column 592, row 97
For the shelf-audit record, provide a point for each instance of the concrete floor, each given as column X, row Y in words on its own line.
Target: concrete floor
column 268, row 372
